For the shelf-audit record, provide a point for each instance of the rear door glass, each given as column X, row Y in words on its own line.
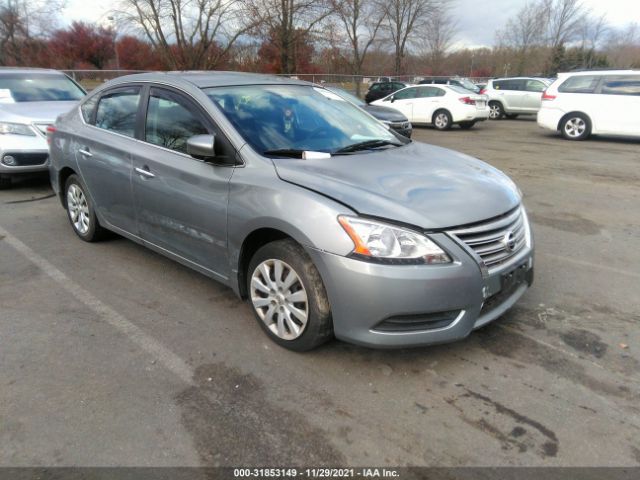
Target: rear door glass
column 580, row 84
column 621, row 85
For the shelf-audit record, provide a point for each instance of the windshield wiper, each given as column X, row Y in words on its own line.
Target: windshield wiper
column 297, row 153
column 366, row 145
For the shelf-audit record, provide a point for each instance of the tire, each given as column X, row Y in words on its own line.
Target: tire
column 442, row 120
column 496, row 111
column 5, row 183
column 575, row 126
column 291, row 330
column 511, row 116
column 466, row 125
column 80, row 211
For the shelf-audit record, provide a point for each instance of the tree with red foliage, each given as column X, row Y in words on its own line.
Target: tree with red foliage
column 82, row 43
column 136, row 54
column 270, row 54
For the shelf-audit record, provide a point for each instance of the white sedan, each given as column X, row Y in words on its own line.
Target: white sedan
column 440, row 106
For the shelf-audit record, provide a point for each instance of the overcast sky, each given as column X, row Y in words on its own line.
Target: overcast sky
column 477, row 19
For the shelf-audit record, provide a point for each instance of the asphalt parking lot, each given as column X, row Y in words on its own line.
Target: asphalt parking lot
column 113, row 355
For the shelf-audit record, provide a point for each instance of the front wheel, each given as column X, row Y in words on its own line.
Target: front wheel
column 442, row 120
column 575, row 126
column 288, row 296
column 496, row 111
column 80, row 211
column 467, row 125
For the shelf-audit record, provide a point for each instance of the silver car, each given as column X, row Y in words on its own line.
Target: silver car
column 510, row 97
column 325, row 220
column 30, row 101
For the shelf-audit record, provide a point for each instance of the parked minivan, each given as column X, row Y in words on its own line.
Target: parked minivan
column 510, row 97
column 588, row 103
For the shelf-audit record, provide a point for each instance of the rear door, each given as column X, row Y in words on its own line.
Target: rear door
column 103, row 154
column 182, row 201
column 510, row 93
column 532, row 98
column 428, row 99
column 620, row 104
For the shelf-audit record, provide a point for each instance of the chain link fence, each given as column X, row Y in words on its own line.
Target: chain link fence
column 91, row 79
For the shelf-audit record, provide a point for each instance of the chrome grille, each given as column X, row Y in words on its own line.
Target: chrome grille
column 497, row 240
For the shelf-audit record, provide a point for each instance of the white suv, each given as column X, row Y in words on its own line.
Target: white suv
column 511, row 97
column 585, row 103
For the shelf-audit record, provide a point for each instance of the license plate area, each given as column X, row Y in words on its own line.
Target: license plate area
column 511, row 279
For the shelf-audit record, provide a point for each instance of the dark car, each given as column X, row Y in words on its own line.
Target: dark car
column 459, row 81
column 389, row 116
column 380, row 90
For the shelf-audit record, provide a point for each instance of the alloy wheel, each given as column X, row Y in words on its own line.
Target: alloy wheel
column 442, row 120
column 494, row 111
column 78, row 209
column 575, row 127
column 280, row 299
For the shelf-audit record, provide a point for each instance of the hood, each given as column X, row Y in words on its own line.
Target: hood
column 28, row 112
column 418, row 184
column 385, row 113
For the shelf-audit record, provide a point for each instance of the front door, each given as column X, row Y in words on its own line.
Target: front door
column 181, row 201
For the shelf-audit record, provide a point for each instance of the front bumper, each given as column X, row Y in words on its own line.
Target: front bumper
column 30, row 154
column 405, row 306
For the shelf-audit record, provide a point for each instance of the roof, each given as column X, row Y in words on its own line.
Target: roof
column 601, row 72
column 205, row 79
column 28, row 70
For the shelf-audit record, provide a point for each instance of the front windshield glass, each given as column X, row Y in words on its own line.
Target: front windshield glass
column 348, row 96
column 37, row 88
column 297, row 117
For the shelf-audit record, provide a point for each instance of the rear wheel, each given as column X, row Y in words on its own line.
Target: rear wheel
column 5, row 182
column 575, row 126
column 442, row 120
column 496, row 111
column 288, row 296
column 467, row 125
column 80, row 211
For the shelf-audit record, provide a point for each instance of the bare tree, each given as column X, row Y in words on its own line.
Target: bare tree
column 361, row 20
column 189, row 34
column 524, row 31
column 563, row 20
column 404, row 18
column 623, row 46
column 440, row 30
column 289, row 22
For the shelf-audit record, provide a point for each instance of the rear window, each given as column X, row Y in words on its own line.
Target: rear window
column 580, row 84
column 622, row 85
column 459, row 89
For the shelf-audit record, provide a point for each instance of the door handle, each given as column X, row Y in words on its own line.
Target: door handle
column 145, row 172
column 86, row 153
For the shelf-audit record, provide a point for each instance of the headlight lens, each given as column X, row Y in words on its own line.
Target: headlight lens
column 7, row 128
column 390, row 244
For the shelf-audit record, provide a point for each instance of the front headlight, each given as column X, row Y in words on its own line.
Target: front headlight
column 7, row 128
column 386, row 243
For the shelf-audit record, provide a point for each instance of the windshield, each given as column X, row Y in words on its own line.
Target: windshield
column 350, row 97
column 297, row 118
column 469, row 85
column 37, row 88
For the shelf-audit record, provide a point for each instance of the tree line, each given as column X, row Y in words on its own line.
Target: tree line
column 357, row 37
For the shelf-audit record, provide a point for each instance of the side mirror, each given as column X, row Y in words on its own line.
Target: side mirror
column 201, row 146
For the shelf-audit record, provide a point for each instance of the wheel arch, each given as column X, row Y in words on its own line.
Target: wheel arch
column 63, row 176
column 574, row 112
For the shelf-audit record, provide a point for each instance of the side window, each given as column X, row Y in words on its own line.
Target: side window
column 439, row 92
column 535, row 86
column 398, row 86
column 498, row 84
column 405, row 94
column 623, row 85
column 117, row 111
column 88, row 108
column 375, row 87
column 580, row 84
column 171, row 121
